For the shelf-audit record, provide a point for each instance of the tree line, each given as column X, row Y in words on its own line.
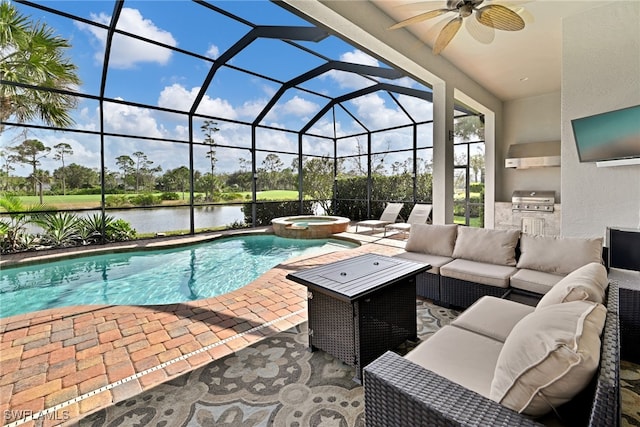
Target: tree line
column 137, row 173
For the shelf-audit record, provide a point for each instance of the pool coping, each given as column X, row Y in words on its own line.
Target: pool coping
column 63, row 364
column 39, row 256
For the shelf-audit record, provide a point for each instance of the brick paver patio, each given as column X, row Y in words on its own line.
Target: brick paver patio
column 59, row 365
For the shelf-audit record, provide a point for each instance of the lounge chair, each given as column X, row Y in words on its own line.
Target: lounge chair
column 389, row 216
column 419, row 215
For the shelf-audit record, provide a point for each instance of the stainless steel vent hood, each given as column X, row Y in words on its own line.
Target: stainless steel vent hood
column 533, row 155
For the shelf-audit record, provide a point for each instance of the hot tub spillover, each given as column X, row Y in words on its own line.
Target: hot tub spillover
column 309, row 227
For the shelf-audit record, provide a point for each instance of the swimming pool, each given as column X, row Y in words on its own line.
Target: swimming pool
column 161, row 276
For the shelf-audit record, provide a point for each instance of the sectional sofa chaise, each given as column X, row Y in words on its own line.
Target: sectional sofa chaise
column 468, row 263
column 504, row 363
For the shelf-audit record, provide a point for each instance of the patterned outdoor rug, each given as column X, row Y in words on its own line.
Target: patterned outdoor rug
column 630, row 392
column 279, row 382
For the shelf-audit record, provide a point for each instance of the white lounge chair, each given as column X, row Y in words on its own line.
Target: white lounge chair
column 419, row 215
column 389, row 216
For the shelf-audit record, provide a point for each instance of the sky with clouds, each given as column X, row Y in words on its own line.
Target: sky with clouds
column 152, row 74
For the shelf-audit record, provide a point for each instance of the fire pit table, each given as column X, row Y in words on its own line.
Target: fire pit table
column 360, row 307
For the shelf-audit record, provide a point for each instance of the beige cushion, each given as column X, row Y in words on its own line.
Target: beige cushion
column 549, row 357
column 558, row 255
column 588, row 283
column 478, row 272
column 492, row 317
column 464, row 357
column 487, row 245
column 436, row 261
column 432, row 239
column 534, row 280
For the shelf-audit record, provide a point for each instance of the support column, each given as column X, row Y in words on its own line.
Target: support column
column 443, row 106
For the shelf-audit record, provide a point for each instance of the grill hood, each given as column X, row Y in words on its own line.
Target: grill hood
column 533, row 155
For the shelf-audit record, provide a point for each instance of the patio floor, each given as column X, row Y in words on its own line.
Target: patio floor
column 59, row 365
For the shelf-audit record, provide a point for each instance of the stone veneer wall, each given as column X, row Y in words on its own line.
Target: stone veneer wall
column 505, row 219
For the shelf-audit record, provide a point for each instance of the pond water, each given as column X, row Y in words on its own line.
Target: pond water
column 171, row 219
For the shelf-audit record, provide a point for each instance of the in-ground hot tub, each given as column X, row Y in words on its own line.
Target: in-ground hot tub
column 309, row 227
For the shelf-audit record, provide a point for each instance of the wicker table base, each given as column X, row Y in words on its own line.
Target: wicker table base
column 357, row 321
column 357, row 333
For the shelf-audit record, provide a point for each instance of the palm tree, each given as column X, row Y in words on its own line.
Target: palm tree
column 31, row 54
column 209, row 128
column 125, row 163
column 62, row 149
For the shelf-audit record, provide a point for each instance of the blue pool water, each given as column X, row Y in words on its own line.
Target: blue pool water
column 151, row 277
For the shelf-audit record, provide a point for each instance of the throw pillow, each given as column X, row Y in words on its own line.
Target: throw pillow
column 487, row 245
column 549, row 357
column 589, row 282
column 432, row 239
column 558, row 255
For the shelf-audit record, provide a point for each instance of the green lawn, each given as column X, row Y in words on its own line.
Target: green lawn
column 275, row 195
column 93, row 200
column 473, row 222
column 63, row 202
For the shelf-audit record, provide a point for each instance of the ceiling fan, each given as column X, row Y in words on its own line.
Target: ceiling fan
column 492, row 16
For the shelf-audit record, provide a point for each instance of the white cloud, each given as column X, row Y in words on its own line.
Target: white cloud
column 352, row 80
column 250, row 109
column 275, row 140
column 296, row 107
column 177, row 97
column 268, row 90
column 372, row 109
column 84, row 153
column 299, row 106
column 127, row 52
column 213, row 51
column 120, row 118
column 419, row 109
column 327, row 128
column 359, row 57
column 181, row 132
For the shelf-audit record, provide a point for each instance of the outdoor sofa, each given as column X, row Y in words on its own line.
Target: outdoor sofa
column 504, row 363
column 468, row 263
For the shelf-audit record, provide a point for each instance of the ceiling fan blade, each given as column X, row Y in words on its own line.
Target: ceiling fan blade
column 419, row 18
column 479, row 32
column 446, row 35
column 499, row 17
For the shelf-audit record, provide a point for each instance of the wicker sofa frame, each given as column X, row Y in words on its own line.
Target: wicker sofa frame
column 462, row 293
column 428, row 286
column 458, row 293
column 401, row 393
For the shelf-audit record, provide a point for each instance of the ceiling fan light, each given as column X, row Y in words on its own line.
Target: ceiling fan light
column 466, row 10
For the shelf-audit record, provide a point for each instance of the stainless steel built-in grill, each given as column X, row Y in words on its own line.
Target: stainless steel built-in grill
column 532, row 201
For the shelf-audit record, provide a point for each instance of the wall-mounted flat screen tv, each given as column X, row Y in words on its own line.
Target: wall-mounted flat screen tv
column 612, row 135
